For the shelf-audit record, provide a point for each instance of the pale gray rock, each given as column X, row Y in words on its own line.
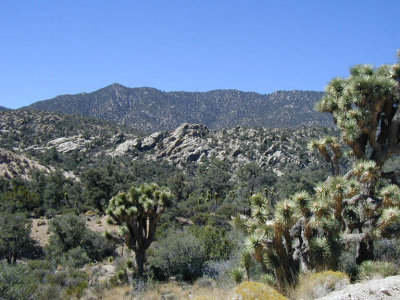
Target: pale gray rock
column 126, row 147
column 377, row 289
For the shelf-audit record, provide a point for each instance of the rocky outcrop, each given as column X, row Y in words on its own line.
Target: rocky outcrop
column 195, row 142
column 16, row 165
column 65, row 145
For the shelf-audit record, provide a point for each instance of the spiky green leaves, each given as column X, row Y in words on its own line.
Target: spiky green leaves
column 390, row 195
column 285, row 214
column 302, row 201
column 146, row 198
column 137, row 212
column 320, row 249
column 260, row 208
column 358, row 101
column 254, row 244
column 390, row 217
column 367, row 171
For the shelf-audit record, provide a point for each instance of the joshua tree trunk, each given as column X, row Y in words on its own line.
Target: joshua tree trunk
column 140, row 257
column 365, row 251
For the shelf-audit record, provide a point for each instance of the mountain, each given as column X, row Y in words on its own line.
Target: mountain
column 152, row 110
column 3, row 108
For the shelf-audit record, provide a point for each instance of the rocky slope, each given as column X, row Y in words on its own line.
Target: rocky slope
column 152, row 110
column 16, row 165
column 23, row 130
column 274, row 148
column 35, row 132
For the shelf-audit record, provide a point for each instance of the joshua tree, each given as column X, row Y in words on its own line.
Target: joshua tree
column 308, row 232
column 137, row 212
column 365, row 108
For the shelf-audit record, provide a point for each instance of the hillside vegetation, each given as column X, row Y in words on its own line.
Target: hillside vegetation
column 152, row 110
column 203, row 213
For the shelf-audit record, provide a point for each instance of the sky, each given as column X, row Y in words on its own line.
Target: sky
column 48, row 48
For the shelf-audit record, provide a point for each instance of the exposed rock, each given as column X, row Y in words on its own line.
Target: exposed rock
column 65, row 145
column 378, row 289
column 150, row 142
column 195, row 142
column 126, row 147
column 17, row 165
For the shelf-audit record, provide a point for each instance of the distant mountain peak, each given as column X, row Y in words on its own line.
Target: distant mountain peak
column 151, row 110
column 3, row 108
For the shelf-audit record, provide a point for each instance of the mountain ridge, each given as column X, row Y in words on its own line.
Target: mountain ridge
column 150, row 109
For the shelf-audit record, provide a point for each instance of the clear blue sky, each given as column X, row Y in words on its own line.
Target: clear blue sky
column 49, row 48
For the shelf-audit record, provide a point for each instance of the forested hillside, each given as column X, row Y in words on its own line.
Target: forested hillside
column 152, row 110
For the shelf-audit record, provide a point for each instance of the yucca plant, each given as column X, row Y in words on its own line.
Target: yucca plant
column 237, row 275
column 247, row 262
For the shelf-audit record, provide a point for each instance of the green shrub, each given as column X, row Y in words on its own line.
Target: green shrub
column 73, row 244
column 237, row 275
column 347, row 262
column 71, row 282
column 179, row 254
column 15, row 240
column 377, row 269
column 75, row 258
column 269, row 279
column 216, row 243
column 387, row 250
column 16, row 282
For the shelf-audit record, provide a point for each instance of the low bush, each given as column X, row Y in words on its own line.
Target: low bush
column 387, row 250
column 254, row 290
column 312, row 286
column 16, row 282
column 179, row 254
column 377, row 269
column 216, row 243
column 73, row 244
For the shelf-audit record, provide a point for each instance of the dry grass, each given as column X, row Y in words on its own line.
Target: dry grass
column 313, row 286
column 249, row 290
column 117, row 293
column 180, row 291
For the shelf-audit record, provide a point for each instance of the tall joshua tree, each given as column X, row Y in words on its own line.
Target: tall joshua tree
column 365, row 107
column 137, row 212
column 308, row 232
